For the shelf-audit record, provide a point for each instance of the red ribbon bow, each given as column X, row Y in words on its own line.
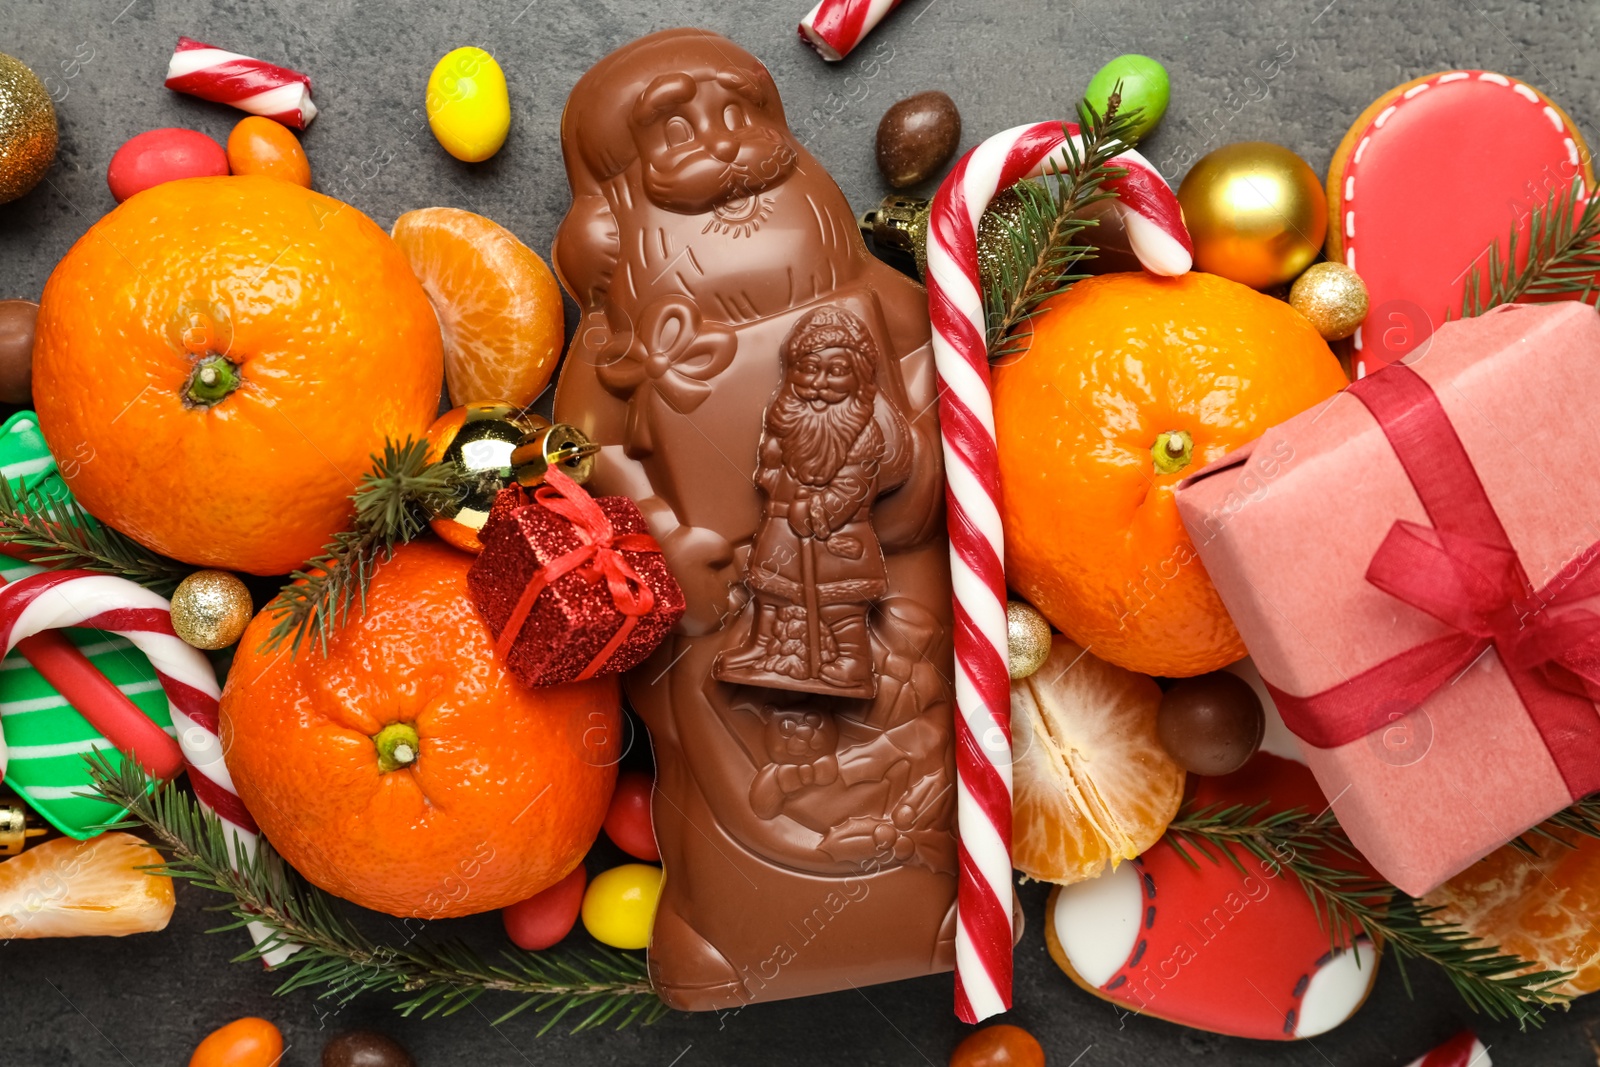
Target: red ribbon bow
column 598, row 558
column 1465, row 572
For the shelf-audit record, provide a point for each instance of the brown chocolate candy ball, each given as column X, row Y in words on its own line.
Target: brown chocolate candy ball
column 916, row 137
column 999, row 1046
column 365, row 1048
column 17, row 320
column 1211, row 724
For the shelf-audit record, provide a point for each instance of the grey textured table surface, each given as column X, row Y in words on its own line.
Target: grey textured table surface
column 147, row 1000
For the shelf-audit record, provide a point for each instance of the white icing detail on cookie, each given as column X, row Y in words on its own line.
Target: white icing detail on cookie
column 1276, row 739
column 1350, row 188
column 1361, row 148
column 1337, row 989
column 1454, row 76
column 1349, row 223
column 1350, row 258
column 1415, row 89
column 1572, row 153
column 1525, row 92
column 1358, row 338
column 1555, row 119
column 1384, row 116
column 1498, row 79
column 1098, row 923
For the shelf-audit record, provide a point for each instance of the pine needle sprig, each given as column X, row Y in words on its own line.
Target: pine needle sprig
column 1041, row 248
column 392, row 505
column 591, row 988
column 1583, row 817
column 58, row 534
column 1562, row 257
column 1311, row 848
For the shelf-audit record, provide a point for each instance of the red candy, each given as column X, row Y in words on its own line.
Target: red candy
column 545, row 918
column 157, row 156
column 628, row 822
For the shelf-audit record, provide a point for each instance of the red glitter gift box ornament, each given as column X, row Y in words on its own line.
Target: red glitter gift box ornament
column 572, row 587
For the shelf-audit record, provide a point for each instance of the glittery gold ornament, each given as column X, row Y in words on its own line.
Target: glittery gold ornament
column 1256, row 213
column 1027, row 639
column 496, row 445
column 1333, row 297
column 210, row 609
column 27, row 129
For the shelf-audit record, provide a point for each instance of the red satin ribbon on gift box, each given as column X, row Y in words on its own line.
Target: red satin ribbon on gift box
column 1464, row 571
column 598, row 558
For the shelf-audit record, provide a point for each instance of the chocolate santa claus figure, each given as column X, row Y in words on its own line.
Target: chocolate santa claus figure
column 764, row 389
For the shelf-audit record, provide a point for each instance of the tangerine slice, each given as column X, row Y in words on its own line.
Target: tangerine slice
column 93, row 888
column 498, row 304
column 1540, row 908
column 1092, row 785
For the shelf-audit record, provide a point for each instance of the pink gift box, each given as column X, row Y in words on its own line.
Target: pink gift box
column 1296, row 528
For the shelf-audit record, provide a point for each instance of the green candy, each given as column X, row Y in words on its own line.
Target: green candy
column 1144, row 86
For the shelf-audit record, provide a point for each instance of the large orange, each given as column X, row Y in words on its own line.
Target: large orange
column 408, row 771
column 301, row 300
column 1114, row 369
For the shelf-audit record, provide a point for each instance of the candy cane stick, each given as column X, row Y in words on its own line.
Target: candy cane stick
column 972, row 494
column 1463, row 1050
column 56, row 599
column 834, row 27
column 252, row 85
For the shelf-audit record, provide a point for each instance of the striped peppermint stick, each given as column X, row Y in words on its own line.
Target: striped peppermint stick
column 834, row 27
column 248, row 84
column 56, row 599
column 972, row 494
column 1463, row 1050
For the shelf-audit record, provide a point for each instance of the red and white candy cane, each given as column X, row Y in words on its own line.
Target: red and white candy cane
column 972, row 494
column 252, row 85
column 834, row 27
column 1463, row 1050
column 56, row 599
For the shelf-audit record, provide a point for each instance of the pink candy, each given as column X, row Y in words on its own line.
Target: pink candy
column 157, row 156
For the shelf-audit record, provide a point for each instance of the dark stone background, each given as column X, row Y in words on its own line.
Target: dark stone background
column 148, row 999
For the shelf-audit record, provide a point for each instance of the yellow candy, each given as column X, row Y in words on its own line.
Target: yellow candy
column 469, row 109
column 619, row 906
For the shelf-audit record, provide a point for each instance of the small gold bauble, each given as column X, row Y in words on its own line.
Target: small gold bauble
column 210, row 609
column 1027, row 639
column 1256, row 213
column 1333, row 297
column 27, row 129
column 497, row 445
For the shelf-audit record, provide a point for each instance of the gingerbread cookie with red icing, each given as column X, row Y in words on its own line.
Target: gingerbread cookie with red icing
column 1210, row 945
column 1426, row 181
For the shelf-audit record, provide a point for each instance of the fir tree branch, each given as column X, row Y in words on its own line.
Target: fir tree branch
column 1583, row 817
column 392, row 505
column 1562, row 257
column 594, row 987
column 1316, row 852
column 58, row 534
column 1040, row 250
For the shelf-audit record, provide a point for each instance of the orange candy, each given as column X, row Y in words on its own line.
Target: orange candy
column 260, row 146
column 247, row 1042
column 1130, row 383
column 499, row 306
column 1003, row 1045
column 408, row 771
column 1092, row 785
column 224, row 356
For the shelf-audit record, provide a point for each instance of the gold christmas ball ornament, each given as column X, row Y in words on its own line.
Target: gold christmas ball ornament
column 1027, row 639
column 496, row 445
column 1333, row 297
column 210, row 609
column 27, row 129
column 17, row 829
column 1256, row 213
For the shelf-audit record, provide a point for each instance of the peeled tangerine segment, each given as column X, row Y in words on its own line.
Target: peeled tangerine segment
column 94, row 888
column 1092, row 784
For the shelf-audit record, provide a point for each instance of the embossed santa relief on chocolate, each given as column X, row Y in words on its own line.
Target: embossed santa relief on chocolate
column 764, row 389
column 816, row 565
